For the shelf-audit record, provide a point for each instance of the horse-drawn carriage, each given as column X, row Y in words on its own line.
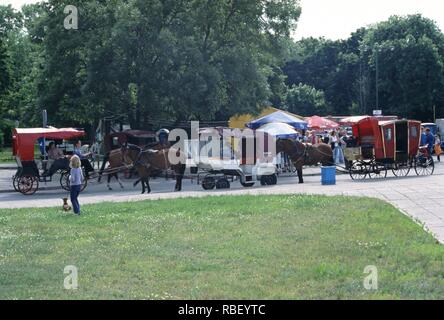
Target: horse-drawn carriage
column 224, row 154
column 28, row 175
column 381, row 146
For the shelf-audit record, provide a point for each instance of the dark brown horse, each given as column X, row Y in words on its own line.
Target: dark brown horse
column 147, row 161
column 115, row 163
column 305, row 154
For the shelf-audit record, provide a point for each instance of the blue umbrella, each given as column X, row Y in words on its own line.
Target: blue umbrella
column 279, row 117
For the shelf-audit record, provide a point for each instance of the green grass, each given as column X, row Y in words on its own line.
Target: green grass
column 268, row 247
column 6, row 155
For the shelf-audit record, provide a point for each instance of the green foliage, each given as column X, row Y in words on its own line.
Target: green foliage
column 4, row 70
column 306, row 101
column 409, row 52
column 175, row 60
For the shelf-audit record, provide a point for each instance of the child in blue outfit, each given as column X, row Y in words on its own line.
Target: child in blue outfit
column 75, row 180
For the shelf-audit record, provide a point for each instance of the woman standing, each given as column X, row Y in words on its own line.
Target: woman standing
column 75, row 180
column 438, row 149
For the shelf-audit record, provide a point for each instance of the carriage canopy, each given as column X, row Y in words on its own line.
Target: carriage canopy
column 401, row 139
column 24, row 139
column 368, row 134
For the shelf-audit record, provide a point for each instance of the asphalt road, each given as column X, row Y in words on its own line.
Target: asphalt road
column 421, row 198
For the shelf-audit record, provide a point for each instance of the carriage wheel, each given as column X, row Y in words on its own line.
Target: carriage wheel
column 209, row 183
column 223, row 183
column 358, row 171
column 269, row 180
column 424, row 166
column 66, row 185
column 15, row 180
column 27, row 185
column 247, row 184
column 377, row 172
column 401, row 170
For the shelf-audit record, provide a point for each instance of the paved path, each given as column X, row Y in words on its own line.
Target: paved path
column 421, row 198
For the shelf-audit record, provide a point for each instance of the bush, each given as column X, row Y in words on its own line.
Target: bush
column 6, row 127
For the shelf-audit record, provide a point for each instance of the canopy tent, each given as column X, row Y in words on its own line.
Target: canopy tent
column 240, row 121
column 319, row 123
column 24, row 139
column 279, row 117
column 279, row 130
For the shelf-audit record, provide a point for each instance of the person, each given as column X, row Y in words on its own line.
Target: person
column 438, row 149
column 75, row 180
column 83, row 158
column 335, row 143
column 429, row 140
column 333, row 140
column 59, row 160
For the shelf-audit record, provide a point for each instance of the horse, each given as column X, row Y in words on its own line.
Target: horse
column 147, row 161
column 114, row 158
column 305, row 154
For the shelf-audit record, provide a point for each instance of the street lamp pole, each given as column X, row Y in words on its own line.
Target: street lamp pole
column 377, row 78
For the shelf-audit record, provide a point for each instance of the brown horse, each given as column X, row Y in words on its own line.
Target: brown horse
column 147, row 161
column 305, row 154
column 115, row 163
column 114, row 159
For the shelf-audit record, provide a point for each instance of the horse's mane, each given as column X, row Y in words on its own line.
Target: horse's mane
column 133, row 147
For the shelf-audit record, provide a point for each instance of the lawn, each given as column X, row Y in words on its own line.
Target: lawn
column 268, row 247
column 6, row 155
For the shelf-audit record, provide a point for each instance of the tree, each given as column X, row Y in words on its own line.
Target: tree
column 4, row 70
column 330, row 66
column 306, row 101
column 409, row 52
column 176, row 60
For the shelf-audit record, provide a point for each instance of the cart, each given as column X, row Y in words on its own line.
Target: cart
column 28, row 176
column 386, row 146
column 233, row 161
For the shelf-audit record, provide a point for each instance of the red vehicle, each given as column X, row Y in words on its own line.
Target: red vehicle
column 27, row 178
column 381, row 146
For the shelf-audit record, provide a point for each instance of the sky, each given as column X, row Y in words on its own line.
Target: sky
column 337, row 19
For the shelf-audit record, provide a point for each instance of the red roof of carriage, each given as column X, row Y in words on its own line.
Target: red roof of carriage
column 25, row 138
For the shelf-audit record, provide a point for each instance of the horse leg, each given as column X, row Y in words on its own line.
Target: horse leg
column 180, row 171
column 105, row 160
column 118, row 180
column 143, row 185
column 147, row 180
column 300, row 175
column 108, row 183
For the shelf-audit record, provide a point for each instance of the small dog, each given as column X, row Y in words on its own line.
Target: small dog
column 66, row 206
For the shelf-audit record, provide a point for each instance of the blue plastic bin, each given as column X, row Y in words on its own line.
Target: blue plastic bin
column 328, row 176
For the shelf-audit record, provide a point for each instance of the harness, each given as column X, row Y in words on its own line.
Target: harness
column 138, row 161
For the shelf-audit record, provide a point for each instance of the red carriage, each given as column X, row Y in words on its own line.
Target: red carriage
column 28, row 177
column 381, row 146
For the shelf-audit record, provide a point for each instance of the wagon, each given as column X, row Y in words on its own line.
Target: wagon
column 28, row 177
column 233, row 160
column 383, row 146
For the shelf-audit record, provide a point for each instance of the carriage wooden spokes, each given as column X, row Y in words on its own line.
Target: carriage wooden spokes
column 65, row 183
column 386, row 146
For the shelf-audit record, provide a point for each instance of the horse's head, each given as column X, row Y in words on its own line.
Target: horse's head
column 290, row 146
column 130, row 153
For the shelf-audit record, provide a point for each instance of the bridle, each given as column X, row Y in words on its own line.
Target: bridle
column 140, row 151
column 299, row 155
